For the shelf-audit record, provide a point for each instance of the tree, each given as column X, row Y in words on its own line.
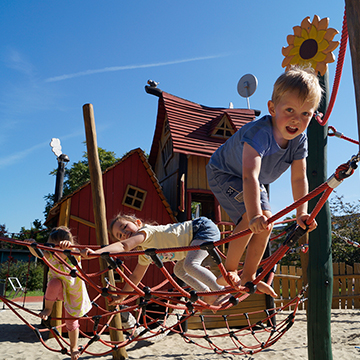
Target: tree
column 79, row 174
column 346, row 227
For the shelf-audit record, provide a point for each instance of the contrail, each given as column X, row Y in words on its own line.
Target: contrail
column 129, row 67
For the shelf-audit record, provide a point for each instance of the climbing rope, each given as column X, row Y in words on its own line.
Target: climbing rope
column 178, row 304
column 338, row 73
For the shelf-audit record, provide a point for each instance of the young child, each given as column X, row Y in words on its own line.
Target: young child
column 256, row 155
column 132, row 233
column 64, row 287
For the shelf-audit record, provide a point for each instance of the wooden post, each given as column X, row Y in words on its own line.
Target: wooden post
column 100, row 216
column 353, row 25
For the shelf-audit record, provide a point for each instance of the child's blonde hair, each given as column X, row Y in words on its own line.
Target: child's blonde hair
column 301, row 80
column 59, row 234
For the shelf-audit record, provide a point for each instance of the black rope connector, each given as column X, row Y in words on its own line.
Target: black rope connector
column 147, row 292
column 190, row 306
column 154, row 257
column 252, row 288
column 37, row 333
column 73, row 273
column 193, row 296
column 72, row 259
column 207, row 338
column 105, row 292
column 210, row 248
column 96, row 319
column 143, row 305
column 119, row 262
column 106, row 256
column 94, row 338
column 233, row 300
column 46, row 322
column 56, row 331
column 294, row 235
column 39, row 252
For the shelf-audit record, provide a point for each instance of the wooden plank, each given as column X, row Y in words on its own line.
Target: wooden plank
column 276, row 282
column 292, row 271
column 335, row 303
column 254, row 305
column 285, row 282
column 357, row 286
column 342, row 285
column 349, row 286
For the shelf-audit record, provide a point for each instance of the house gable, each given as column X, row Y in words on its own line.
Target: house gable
column 191, row 125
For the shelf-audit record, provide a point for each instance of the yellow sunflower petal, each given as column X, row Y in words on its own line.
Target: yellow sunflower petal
column 298, row 41
column 315, row 21
column 296, row 59
column 323, row 24
column 286, row 50
column 306, row 24
column 290, row 39
column 313, row 32
column 321, row 68
column 304, row 34
column 323, row 45
column 286, row 61
column 330, row 33
column 319, row 57
column 294, row 51
column 332, row 46
column 297, row 31
column 320, row 36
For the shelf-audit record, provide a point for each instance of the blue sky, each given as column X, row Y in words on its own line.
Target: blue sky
column 56, row 56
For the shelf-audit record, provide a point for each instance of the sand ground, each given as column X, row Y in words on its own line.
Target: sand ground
column 18, row 341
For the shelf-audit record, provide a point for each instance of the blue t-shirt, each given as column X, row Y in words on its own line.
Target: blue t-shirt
column 259, row 134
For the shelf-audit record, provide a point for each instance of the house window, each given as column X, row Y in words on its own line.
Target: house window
column 166, row 126
column 167, row 151
column 223, row 129
column 134, row 197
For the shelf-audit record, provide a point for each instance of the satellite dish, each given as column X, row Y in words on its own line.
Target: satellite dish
column 247, row 86
column 55, row 146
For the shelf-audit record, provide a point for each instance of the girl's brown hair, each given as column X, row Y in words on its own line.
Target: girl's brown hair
column 61, row 233
column 122, row 216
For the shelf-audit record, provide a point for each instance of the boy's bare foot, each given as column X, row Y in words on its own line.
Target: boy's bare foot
column 45, row 313
column 266, row 289
column 210, row 299
column 233, row 277
column 221, row 299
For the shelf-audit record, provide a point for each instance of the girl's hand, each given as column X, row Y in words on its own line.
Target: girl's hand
column 258, row 224
column 86, row 252
column 302, row 222
column 65, row 244
column 116, row 300
column 29, row 241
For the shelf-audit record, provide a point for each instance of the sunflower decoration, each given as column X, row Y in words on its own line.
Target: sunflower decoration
column 311, row 45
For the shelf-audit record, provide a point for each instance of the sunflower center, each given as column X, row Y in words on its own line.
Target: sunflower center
column 308, row 49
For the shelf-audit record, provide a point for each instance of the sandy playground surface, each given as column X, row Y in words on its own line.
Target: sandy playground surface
column 18, row 341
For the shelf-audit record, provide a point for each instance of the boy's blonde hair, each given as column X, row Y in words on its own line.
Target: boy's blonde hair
column 301, row 80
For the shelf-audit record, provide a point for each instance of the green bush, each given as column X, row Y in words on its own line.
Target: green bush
column 32, row 277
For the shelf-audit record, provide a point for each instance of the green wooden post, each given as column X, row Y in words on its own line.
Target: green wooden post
column 320, row 272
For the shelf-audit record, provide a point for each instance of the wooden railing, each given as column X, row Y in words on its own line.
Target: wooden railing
column 346, row 285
